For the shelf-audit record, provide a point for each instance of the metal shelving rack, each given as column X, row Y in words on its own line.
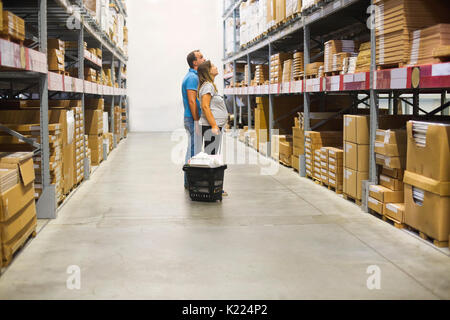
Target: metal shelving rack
column 330, row 18
column 50, row 19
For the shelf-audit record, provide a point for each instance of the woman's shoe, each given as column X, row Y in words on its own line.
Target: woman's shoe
column 224, row 193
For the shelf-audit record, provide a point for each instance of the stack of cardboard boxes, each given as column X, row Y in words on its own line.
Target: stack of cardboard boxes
column 427, row 180
column 56, row 159
column 124, row 130
column 396, row 19
column 79, row 145
column 276, row 66
column 117, row 123
column 287, row 71
column 261, row 120
column 424, row 41
column 261, row 74
column 293, row 7
column 312, row 69
column 338, row 61
column 356, row 154
column 56, row 53
column 13, row 26
column 335, row 168
column 387, row 198
column 88, row 151
column 285, row 150
column 335, row 51
column 298, row 145
column 298, row 65
column 17, row 205
column 314, row 141
column 94, row 128
column 90, row 74
column 363, row 59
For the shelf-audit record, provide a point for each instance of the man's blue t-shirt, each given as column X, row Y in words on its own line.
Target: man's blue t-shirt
column 190, row 82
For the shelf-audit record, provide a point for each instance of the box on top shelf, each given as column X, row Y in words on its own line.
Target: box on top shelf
column 333, row 47
column 13, row 26
column 424, row 41
column 396, row 19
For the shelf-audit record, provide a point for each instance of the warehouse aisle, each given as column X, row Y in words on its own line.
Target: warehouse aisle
column 134, row 233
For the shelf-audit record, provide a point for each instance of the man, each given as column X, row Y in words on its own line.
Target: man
column 192, row 110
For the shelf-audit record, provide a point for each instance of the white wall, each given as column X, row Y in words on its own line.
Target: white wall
column 161, row 34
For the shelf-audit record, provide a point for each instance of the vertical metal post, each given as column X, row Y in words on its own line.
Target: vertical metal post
column 113, row 80
column 86, row 163
column 234, row 99
column 444, row 112
column 390, row 109
column 271, row 105
column 416, row 102
column 234, row 71
column 235, row 48
column 249, row 107
column 224, row 38
column 119, row 77
column 395, row 102
column 46, row 205
column 306, row 97
column 373, row 177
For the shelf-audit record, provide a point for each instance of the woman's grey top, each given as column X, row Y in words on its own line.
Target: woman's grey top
column 217, row 106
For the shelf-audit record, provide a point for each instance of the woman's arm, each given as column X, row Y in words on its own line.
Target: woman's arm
column 206, row 100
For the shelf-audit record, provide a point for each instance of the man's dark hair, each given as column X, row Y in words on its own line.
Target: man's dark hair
column 191, row 58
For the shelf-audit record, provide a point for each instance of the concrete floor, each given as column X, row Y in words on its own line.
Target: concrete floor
column 136, row 235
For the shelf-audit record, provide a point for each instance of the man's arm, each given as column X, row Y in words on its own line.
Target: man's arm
column 192, row 99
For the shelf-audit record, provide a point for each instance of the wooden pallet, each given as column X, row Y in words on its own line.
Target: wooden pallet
column 10, row 251
column 312, row 76
column 334, row 189
column 298, row 78
column 390, row 66
column 61, row 72
column 12, row 39
column 350, row 198
column 288, row 165
column 437, row 243
column 332, row 73
column 394, row 222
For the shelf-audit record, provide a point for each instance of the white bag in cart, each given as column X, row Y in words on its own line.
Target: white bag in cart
column 205, row 160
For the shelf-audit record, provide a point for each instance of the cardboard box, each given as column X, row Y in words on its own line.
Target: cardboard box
column 295, row 162
column 335, row 153
column 285, row 148
column 94, row 104
column 395, row 150
column 391, row 183
column 393, row 173
column 390, row 162
column 12, row 227
column 430, row 216
column 395, row 136
column 375, row 205
column 14, row 199
column 338, row 177
column 395, row 211
column 356, row 129
column 431, row 159
column 96, row 147
column 353, row 182
column 385, row 195
column 94, row 122
column 356, row 156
